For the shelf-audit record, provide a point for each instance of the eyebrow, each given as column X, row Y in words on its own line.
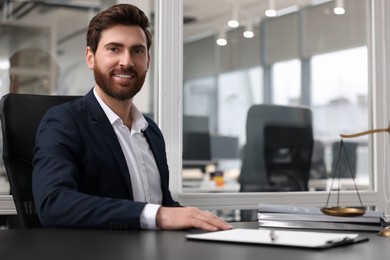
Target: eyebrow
column 113, row 43
column 122, row 45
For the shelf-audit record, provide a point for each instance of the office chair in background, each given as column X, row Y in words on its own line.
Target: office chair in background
column 287, row 154
column 253, row 176
column 20, row 117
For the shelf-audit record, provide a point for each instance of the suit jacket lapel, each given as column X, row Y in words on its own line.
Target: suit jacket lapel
column 158, row 149
column 107, row 133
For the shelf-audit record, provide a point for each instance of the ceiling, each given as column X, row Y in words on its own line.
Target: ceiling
column 211, row 15
column 201, row 17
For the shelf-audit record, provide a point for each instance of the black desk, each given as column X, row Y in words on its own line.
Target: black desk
column 73, row 244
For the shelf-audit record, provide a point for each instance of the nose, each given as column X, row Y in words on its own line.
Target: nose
column 126, row 60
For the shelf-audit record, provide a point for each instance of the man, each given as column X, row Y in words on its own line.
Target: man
column 98, row 162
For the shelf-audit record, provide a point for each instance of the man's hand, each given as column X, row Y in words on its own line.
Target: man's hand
column 189, row 217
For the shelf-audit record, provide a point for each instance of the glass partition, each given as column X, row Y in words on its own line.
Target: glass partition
column 305, row 57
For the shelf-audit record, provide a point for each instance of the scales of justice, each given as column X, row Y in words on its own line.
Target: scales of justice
column 350, row 211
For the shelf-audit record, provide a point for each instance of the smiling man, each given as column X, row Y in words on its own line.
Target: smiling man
column 98, row 162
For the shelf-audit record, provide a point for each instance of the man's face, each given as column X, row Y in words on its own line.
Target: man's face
column 121, row 61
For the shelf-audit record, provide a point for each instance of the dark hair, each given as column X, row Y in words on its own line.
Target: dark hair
column 120, row 14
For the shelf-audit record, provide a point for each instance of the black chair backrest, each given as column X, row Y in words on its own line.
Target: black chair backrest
column 253, row 176
column 288, row 150
column 20, row 118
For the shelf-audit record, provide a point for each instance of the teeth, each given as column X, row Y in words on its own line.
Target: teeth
column 125, row 76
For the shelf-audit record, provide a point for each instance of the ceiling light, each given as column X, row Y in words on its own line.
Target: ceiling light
column 234, row 19
column 221, row 40
column 270, row 12
column 339, row 7
column 248, row 33
column 233, row 23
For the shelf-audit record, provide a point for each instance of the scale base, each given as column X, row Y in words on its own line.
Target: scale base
column 384, row 232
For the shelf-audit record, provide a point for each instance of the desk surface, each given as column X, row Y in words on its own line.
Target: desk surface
column 49, row 244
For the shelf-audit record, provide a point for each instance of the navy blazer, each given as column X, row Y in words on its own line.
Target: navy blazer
column 80, row 175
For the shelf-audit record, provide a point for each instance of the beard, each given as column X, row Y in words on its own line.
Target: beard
column 115, row 90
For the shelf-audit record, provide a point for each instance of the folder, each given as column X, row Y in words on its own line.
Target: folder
column 309, row 218
column 277, row 237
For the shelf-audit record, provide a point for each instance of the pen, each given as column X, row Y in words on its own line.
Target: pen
column 339, row 241
column 345, row 241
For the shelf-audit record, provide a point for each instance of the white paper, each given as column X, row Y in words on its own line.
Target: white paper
column 275, row 237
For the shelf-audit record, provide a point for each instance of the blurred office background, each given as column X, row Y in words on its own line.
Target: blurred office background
column 306, row 54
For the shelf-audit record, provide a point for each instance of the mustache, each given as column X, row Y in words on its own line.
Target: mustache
column 124, row 71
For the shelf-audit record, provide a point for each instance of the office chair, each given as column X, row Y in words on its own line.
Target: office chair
column 253, row 176
column 287, row 153
column 20, row 116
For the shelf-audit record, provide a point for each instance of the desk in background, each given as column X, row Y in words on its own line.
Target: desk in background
column 210, row 187
column 342, row 183
column 75, row 244
column 196, row 182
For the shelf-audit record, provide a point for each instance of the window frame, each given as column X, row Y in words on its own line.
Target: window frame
column 170, row 116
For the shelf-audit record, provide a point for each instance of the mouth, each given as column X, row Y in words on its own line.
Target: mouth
column 124, row 76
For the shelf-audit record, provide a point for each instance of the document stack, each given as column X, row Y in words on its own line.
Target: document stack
column 301, row 217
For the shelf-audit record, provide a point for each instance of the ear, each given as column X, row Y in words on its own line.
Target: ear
column 148, row 64
column 89, row 58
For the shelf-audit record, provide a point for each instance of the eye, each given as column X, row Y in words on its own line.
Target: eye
column 112, row 49
column 139, row 51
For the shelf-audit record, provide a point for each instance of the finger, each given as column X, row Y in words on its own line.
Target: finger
column 212, row 220
column 206, row 226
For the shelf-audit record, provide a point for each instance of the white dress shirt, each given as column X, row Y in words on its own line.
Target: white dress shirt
column 144, row 174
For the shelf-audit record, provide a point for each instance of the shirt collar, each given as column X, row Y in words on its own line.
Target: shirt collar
column 139, row 121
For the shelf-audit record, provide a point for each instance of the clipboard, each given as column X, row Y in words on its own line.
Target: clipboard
column 288, row 238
